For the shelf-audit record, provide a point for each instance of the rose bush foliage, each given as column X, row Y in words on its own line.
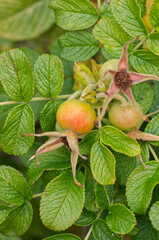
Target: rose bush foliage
column 106, row 176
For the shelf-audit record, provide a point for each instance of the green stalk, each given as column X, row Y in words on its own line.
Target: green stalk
column 90, row 230
column 37, row 195
column 99, row 4
column 150, row 114
column 42, row 98
column 153, row 152
column 142, row 41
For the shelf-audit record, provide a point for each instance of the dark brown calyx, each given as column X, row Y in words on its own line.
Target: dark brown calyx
column 64, row 140
column 122, row 80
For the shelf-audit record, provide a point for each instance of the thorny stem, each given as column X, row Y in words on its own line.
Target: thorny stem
column 90, row 230
column 153, row 152
column 41, row 98
column 140, row 43
column 37, row 195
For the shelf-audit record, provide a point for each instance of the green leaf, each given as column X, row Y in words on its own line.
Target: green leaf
column 4, row 212
column 145, row 62
column 146, row 231
column 72, row 15
column 78, row 46
column 124, row 167
column 58, row 159
column 16, row 75
column 155, row 103
column 102, row 198
column 153, row 43
column 19, row 122
column 125, row 164
column 143, row 94
column 21, row 20
column 120, row 219
column 87, row 142
column 2, row 237
column 142, row 4
column 31, row 55
column 48, row 115
column 153, row 128
column 119, row 142
column 105, row 11
column 49, row 75
column 86, row 218
column 102, row 232
column 5, row 109
column 62, row 202
column 109, row 33
column 64, row 236
column 154, row 215
column 140, row 186
column 102, row 164
column 90, row 198
column 119, row 196
column 127, row 14
column 14, row 188
column 154, row 15
column 37, row 107
column 18, row 221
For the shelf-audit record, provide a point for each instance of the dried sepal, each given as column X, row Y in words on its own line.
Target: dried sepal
column 122, row 81
column 57, row 140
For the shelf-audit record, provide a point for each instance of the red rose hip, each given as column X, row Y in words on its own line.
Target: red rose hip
column 76, row 116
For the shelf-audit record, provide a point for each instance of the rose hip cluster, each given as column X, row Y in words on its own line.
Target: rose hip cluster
column 77, row 118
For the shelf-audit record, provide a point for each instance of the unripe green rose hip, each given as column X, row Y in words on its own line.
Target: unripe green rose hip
column 125, row 117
